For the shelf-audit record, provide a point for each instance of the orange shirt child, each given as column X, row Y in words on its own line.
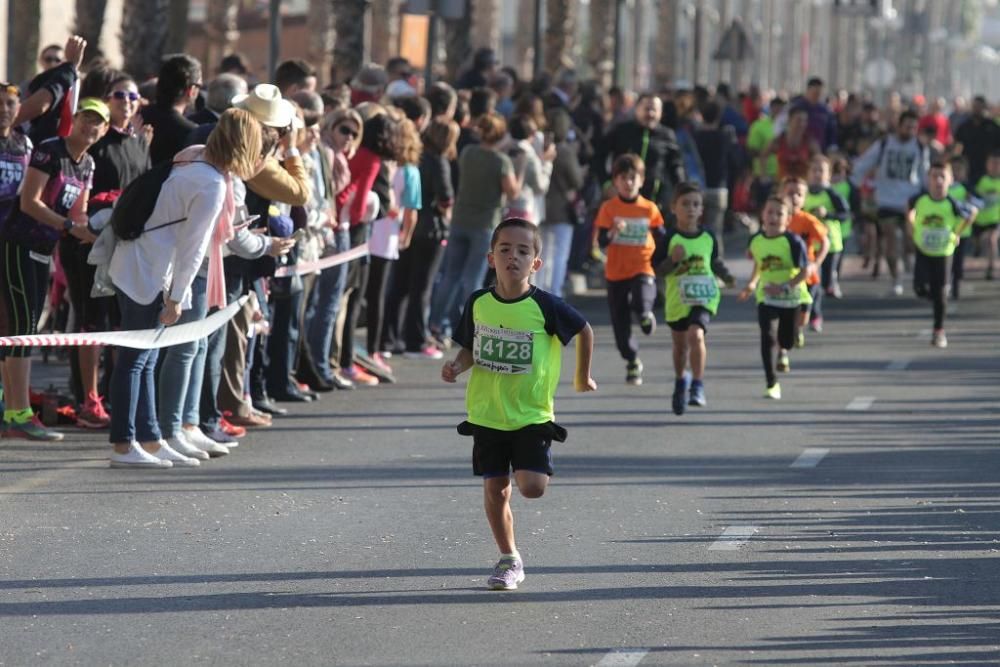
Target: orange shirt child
column 812, row 232
column 630, row 253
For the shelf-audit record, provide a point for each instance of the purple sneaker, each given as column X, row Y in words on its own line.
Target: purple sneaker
column 507, row 574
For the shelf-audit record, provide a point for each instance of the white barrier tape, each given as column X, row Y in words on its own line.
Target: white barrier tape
column 320, row 264
column 144, row 339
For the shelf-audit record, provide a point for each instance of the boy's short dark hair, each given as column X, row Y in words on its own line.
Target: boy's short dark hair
column 779, row 200
column 519, row 223
column 793, row 180
column 627, row 164
column 909, row 114
column 441, row 96
column 940, row 164
column 685, row 188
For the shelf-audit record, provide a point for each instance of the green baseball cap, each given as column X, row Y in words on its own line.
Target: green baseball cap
column 95, row 105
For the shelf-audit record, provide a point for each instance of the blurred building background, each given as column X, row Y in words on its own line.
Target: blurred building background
column 934, row 47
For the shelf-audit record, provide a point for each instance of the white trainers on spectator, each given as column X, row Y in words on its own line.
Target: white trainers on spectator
column 204, row 443
column 137, row 457
column 180, row 444
column 167, row 453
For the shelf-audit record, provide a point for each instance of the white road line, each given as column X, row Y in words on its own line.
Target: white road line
column 860, row 403
column 623, row 658
column 733, row 538
column 810, row 457
column 925, row 333
column 898, row 365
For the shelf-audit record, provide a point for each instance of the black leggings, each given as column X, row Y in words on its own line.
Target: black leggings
column 357, row 285
column 378, row 279
column 786, row 319
column 958, row 266
column 930, row 281
column 409, row 299
column 635, row 295
column 25, row 281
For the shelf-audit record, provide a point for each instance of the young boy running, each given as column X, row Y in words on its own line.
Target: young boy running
column 840, row 181
column 935, row 222
column 778, row 281
column 693, row 267
column 511, row 336
column 813, row 234
column 630, row 227
column 988, row 220
column 826, row 204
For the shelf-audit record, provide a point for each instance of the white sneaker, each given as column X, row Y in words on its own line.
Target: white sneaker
column 897, row 289
column 137, row 457
column 180, row 444
column 198, row 439
column 938, row 339
column 167, row 453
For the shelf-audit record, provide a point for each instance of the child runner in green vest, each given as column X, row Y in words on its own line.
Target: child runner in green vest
column 840, row 181
column 778, row 283
column 824, row 202
column 935, row 222
column 961, row 194
column 988, row 220
column 693, row 267
column 511, row 336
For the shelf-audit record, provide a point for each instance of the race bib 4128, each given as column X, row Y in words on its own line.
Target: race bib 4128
column 501, row 350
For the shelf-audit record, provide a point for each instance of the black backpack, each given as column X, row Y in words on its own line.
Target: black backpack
column 136, row 203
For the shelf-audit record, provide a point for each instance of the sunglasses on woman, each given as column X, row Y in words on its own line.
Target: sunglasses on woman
column 125, row 95
column 347, row 132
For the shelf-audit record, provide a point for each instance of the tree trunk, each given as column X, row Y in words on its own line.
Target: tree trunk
column 89, row 21
column 221, row 31
column 385, row 30
column 486, row 23
column 524, row 39
column 560, row 33
column 458, row 45
column 144, row 36
column 22, row 45
column 664, row 71
column 349, row 46
column 177, row 28
column 321, row 39
column 601, row 53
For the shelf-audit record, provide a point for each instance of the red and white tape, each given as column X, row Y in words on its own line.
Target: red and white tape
column 143, row 339
column 320, row 264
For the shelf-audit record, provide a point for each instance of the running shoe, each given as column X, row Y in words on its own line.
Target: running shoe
column 633, row 373
column 231, row 429
column 426, row 352
column 648, row 323
column 897, row 289
column 680, row 398
column 816, row 325
column 784, row 365
column 774, row 391
column 206, row 443
column 31, row 430
column 938, row 339
column 93, row 414
column 800, row 339
column 358, row 375
column 379, row 360
column 698, row 394
column 507, row 574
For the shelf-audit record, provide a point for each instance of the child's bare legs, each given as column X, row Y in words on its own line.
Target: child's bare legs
column 497, row 492
column 680, row 348
column 991, row 250
column 695, row 336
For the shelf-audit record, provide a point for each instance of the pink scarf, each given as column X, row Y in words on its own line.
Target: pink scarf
column 222, row 234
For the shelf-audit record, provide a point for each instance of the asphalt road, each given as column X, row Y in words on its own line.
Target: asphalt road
column 854, row 522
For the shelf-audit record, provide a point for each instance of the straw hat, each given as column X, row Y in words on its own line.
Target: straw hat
column 267, row 105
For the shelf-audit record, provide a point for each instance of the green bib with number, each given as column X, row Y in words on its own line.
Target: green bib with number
column 815, row 200
column 776, row 265
column 960, row 193
column 516, row 364
column 934, row 224
column 988, row 189
column 692, row 282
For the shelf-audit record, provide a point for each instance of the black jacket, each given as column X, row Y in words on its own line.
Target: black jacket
column 658, row 149
column 170, row 132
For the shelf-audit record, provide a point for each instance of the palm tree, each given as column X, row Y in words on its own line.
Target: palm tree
column 486, row 23
column 321, row 38
column 89, row 21
column 601, row 53
column 349, row 47
column 560, row 33
column 221, row 30
column 177, row 29
column 144, row 36
column 664, row 64
column 26, row 16
column 385, row 30
column 457, row 44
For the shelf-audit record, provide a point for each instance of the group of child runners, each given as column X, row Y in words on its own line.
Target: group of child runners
column 511, row 334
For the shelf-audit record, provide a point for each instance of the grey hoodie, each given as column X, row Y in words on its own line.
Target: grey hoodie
column 900, row 171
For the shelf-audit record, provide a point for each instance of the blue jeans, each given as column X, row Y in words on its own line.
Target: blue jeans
column 133, row 386
column 214, row 360
column 183, row 370
column 324, row 306
column 464, row 268
column 556, row 243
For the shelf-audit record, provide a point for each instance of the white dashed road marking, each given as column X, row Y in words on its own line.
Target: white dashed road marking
column 733, row 538
column 623, row 658
column 860, row 403
column 810, row 457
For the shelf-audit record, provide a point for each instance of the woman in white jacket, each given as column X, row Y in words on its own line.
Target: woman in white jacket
column 532, row 169
column 153, row 276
